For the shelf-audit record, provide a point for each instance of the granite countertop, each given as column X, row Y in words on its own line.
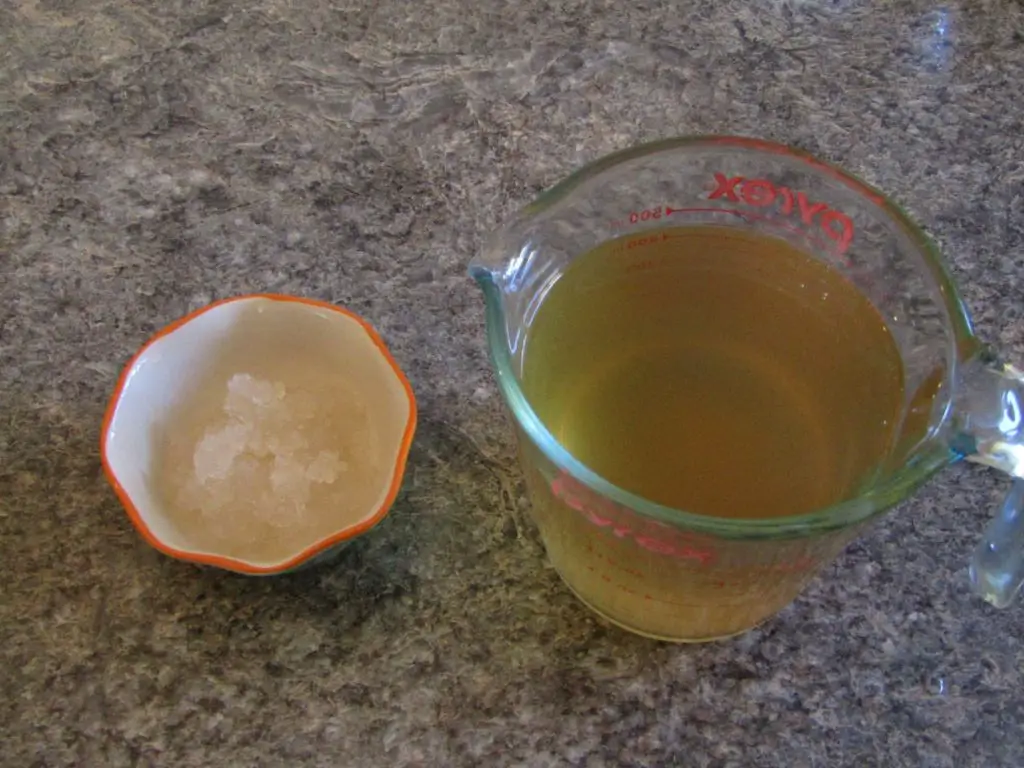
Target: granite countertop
column 158, row 156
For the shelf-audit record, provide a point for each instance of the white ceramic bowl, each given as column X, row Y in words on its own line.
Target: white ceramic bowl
column 154, row 379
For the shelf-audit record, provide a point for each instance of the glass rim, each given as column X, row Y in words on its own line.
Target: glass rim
column 843, row 514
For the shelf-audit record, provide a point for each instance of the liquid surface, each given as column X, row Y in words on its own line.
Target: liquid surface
column 715, row 371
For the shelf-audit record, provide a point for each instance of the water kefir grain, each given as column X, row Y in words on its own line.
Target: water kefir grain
column 270, row 452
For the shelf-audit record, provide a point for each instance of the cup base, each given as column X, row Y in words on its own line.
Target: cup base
column 652, row 635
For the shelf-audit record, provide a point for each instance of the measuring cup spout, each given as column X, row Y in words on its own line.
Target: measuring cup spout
column 500, row 256
column 485, row 271
column 991, row 422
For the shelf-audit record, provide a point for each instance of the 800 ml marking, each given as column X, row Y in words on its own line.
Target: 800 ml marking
column 648, row 215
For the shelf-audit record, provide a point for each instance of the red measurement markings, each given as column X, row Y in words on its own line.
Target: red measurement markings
column 641, row 266
column 637, row 242
column 625, row 524
column 650, row 214
column 806, row 214
column 635, row 217
column 659, row 538
column 773, row 222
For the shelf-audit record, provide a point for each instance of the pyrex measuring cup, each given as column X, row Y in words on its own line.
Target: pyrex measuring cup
column 673, row 574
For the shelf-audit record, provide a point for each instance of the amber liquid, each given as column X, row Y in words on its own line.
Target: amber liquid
column 715, row 371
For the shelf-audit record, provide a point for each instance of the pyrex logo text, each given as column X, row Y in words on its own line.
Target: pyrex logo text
column 604, row 514
column 761, row 193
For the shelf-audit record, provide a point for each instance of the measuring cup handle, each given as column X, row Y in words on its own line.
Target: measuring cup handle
column 997, row 568
column 990, row 415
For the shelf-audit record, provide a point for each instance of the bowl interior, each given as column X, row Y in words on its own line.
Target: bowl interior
column 222, row 337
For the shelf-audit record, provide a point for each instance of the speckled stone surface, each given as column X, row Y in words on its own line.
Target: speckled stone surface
column 156, row 156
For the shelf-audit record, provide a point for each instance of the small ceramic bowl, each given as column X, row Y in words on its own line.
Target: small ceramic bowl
column 173, row 361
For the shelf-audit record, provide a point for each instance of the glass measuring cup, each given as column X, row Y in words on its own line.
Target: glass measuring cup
column 677, row 575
